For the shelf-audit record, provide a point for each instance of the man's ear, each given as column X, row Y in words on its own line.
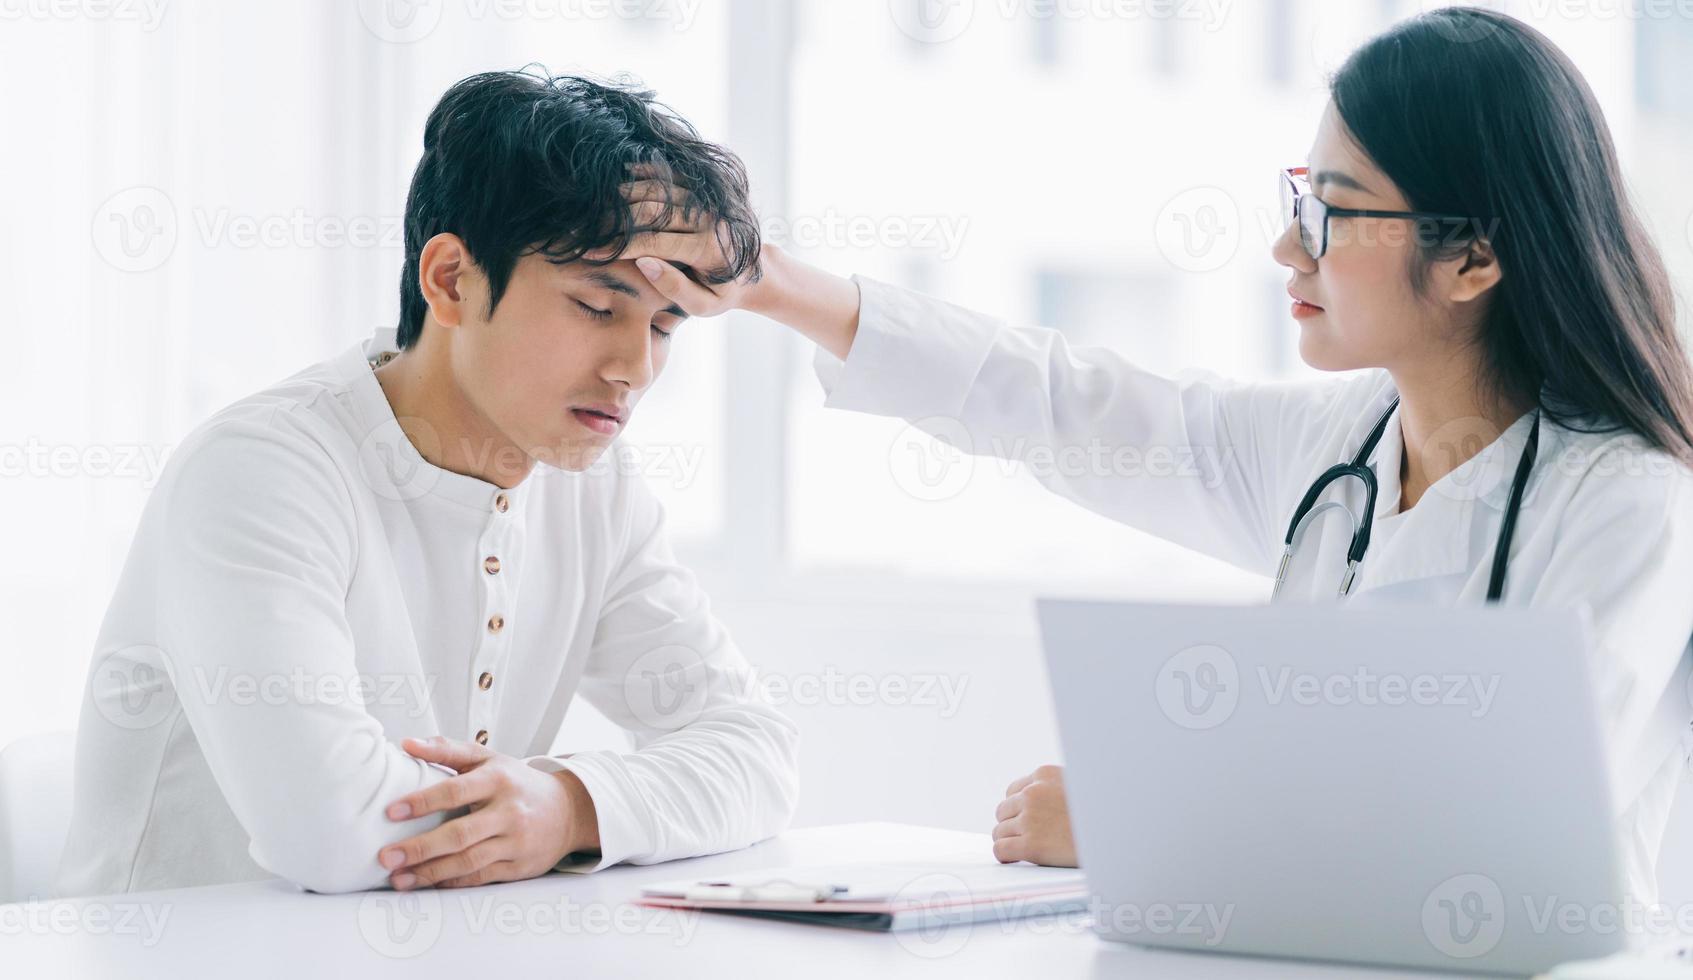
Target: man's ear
column 1477, row 272
column 444, row 268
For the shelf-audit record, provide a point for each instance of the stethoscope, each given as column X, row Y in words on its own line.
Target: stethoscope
column 1361, row 526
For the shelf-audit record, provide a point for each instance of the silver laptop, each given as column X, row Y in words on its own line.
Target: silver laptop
column 1365, row 783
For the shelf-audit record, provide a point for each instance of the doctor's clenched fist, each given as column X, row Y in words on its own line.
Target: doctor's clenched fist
column 1034, row 821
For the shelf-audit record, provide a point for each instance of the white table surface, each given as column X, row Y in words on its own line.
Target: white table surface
column 573, row 926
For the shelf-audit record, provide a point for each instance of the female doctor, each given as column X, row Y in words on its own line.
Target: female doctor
column 1521, row 430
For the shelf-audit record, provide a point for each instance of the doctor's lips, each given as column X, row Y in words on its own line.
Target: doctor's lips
column 1302, row 308
column 604, row 418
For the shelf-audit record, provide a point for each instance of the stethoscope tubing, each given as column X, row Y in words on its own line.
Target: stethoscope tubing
column 1360, row 469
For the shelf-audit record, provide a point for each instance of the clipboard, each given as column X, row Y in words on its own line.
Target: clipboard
column 884, row 897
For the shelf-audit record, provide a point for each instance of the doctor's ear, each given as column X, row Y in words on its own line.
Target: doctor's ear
column 1468, row 276
column 447, row 277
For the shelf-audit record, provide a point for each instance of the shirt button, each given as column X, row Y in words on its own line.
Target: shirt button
column 485, row 681
column 502, row 503
column 482, row 737
column 491, row 565
column 496, row 623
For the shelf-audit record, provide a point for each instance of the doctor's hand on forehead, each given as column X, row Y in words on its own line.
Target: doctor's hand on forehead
column 680, row 250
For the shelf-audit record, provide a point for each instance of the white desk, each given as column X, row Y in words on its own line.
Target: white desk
column 570, row 926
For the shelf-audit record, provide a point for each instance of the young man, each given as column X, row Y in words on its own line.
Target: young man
column 360, row 602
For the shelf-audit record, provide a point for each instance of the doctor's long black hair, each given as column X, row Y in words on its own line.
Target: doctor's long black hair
column 1471, row 112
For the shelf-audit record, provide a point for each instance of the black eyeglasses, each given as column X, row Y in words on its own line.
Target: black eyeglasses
column 1313, row 215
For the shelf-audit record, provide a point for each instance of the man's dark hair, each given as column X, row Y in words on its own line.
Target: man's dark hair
column 521, row 162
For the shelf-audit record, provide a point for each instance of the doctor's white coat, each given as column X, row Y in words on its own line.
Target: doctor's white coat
column 1606, row 521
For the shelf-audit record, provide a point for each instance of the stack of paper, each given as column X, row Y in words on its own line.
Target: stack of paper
column 886, row 896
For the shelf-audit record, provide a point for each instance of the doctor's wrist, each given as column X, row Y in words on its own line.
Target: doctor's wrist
column 772, row 296
column 819, row 305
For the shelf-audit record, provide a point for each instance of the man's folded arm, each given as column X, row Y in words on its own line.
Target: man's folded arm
column 715, row 765
column 253, row 628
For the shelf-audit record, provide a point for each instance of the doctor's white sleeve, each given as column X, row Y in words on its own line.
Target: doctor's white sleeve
column 714, row 764
column 1624, row 552
column 1197, row 460
column 252, row 584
